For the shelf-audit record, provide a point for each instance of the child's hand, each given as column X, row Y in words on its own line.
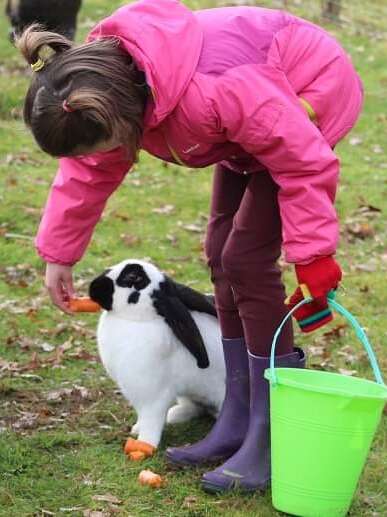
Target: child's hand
column 320, row 276
column 59, row 283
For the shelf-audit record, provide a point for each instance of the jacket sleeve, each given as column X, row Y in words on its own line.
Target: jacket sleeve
column 255, row 106
column 75, row 203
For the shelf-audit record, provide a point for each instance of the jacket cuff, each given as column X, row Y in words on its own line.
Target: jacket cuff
column 52, row 260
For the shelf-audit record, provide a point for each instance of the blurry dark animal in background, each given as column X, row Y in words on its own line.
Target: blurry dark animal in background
column 54, row 15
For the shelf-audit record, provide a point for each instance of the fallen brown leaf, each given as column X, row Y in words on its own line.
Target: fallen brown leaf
column 164, row 209
column 190, row 501
column 129, row 240
column 108, row 498
column 95, row 513
column 193, row 228
column 355, row 140
column 172, row 239
column 336, row 332
column 360, row 230
column 26, row 421
column 343, row 371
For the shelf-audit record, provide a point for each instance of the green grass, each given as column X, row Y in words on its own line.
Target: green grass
column 55, row 455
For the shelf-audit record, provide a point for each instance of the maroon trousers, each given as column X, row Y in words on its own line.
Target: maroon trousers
column 243, row 245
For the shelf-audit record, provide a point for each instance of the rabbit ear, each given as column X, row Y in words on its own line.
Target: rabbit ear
column 194, row 300
column 101, row 290
column 178, row 317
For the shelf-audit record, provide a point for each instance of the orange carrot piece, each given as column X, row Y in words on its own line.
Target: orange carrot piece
column 83, row 305
column 147, row 477
column 136, row 456
column 133, row 445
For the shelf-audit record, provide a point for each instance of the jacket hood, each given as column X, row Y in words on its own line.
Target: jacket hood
column 165, row 40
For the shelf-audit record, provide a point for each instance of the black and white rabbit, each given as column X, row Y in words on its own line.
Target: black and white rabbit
column 160, row 342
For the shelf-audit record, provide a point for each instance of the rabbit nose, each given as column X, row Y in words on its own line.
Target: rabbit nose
column 101, row 291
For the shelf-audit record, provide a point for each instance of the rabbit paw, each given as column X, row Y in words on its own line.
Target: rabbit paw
column 183, row 411
column 136, row 450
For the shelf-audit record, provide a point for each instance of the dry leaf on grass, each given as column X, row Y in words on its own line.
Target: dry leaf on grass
column 130, row 240
column 53, row 360
column 369, row 267
column 173, row 240
column 360, row 230
column 367, row 210
column 77, row 392
column 355, row 140
column 164, row 209
column 193, row 227
column 46, row 347
column 108, row 498
column 190, row 501
column 316, row 351
column 343, row 371
column 336, row 332
column 22, row 275
column 350, row 355
column 120, row 215
column 26, row 421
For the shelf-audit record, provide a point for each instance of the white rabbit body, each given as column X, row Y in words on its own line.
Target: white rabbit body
column 139, row 347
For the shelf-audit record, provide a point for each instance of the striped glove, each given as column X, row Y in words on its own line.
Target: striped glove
column 315, row 279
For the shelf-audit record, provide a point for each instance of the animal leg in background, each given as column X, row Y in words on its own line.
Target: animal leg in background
column 184, row 410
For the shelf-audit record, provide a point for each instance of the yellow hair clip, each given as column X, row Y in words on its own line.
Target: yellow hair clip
column 38, row 65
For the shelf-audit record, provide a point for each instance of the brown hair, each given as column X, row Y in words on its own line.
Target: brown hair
column 83, row 95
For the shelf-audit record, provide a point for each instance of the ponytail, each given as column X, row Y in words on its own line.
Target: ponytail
column 35, row 43
column 81, row 95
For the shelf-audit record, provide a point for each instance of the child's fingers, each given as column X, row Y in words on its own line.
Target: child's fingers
column 58, row 295
column 68, row 285
column 59, row 284
column 58, row 298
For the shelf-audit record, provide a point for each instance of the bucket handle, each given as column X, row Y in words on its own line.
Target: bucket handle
column 349, row 317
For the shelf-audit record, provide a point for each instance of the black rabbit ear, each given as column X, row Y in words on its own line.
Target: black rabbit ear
column 178, row 317
column 193, row 300
column 101, row 290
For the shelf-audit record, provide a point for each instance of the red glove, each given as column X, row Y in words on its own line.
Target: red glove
column 315, row 279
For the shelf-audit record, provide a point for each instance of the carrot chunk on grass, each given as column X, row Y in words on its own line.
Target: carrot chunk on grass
column 149, row 478
column 133, row 445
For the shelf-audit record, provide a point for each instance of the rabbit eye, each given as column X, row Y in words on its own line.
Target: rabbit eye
column 133, row 276
column 132, row 279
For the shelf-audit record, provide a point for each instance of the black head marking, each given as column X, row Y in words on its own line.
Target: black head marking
column 133, row 275
column 134, row 297
column 101, row 291
column 168, row 304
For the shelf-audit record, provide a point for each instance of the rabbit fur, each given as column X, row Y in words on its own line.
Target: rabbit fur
column 54, row 15
column 160, row 342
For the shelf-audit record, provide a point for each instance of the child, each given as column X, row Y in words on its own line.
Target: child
column 262, row 95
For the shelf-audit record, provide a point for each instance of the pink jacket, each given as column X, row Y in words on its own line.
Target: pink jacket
column 226, row 86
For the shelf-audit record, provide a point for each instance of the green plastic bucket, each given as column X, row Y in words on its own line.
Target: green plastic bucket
column 322, row 427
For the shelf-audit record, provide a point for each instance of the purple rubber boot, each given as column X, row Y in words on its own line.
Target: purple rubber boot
column 229, row 431
column 249, row 468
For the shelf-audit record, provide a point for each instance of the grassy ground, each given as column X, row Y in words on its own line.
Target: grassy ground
column 62, row 423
